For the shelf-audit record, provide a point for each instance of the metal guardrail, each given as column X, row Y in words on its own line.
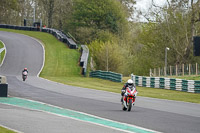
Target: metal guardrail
column 61, row 36
column 84, row 58
column 107, row 75
column 58, row 34
column 167, row 83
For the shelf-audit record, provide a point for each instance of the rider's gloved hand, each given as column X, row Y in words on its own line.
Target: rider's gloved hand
column 123, row 91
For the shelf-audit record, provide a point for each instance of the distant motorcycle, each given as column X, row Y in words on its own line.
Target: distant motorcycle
column 24, row 75
column 129, row 98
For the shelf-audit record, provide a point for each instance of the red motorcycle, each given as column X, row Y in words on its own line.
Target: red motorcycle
column 129, row 98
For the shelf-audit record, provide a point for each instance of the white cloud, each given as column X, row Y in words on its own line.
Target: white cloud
column 144, row 5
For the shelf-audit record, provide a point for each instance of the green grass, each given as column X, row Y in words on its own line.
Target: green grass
column 2, row 53
column 192, row 77
column 61, row 65
column 60, row 61
column 4, row 130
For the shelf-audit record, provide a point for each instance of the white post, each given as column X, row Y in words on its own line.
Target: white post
column 196, row 69
column 189, row 69
column 166, row 60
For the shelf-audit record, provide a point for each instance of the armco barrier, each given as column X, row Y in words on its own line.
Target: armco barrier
column 84, row 58
column 58, row 34
column 107, row 75
column 62, row 37
column 3, row 87
column 167, row 83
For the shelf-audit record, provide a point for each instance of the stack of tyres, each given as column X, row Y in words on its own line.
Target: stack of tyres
column 136, row 80
column 172, row 84
column 144, row 81
column 152, row 82
column 162, row 83
column 184, row 85
column 197, row 86
column 167, row 83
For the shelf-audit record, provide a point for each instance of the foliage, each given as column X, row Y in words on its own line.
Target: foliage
column 95, row 15
column 104, row 14
column 103, row 24
column 172, row 27
column 107, row 55
column 7, row 7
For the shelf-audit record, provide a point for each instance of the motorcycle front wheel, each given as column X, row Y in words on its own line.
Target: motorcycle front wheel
column 130, row 104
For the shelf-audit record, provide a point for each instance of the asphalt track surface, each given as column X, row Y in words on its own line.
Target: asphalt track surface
column 22, row 51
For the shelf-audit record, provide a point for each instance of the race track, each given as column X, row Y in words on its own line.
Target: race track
column 23, row 51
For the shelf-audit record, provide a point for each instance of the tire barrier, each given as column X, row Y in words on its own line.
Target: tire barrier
column 3, row 87
column 84, row 58
column 58, row 34
column 167, row 83
column 107, row 75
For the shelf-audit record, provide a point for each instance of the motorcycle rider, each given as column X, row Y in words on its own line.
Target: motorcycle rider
column 25, row 70
column 130, row 84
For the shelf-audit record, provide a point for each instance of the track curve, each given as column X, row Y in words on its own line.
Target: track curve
column 160, row 115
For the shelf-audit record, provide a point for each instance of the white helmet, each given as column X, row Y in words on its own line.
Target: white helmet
column 130, row 82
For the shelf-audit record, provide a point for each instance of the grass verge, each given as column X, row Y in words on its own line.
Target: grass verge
column 4, row 130
column 2, row 53
column 61, row 65
column 59, row 59
column 192, row 77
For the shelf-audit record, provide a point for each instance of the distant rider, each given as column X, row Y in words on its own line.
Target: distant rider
column 130, row 84
column 25, row 70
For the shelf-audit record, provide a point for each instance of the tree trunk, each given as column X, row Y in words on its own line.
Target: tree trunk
column 50, row 13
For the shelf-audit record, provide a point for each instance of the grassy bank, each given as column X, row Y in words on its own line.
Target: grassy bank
column 2, row 53
column 191, row 77
column 4, row 130
column 60, row 61
column 61, row 65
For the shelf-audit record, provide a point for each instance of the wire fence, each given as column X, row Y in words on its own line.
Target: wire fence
column 178, row 70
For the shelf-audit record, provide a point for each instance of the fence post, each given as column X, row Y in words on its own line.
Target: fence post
column 183, row 69
column 165, row 71
column 196, row 69
column 170, row 69
column 189, row 69
column 154, row 72
column 159, row 72
column 176, row 70
column 151, row 73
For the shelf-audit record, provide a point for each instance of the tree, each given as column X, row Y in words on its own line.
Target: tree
column 107, row 55
column 173, row 26
column 98, row 15
column 6, row 9
column 48, row 6
column 62, row 13
column 129, row 6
